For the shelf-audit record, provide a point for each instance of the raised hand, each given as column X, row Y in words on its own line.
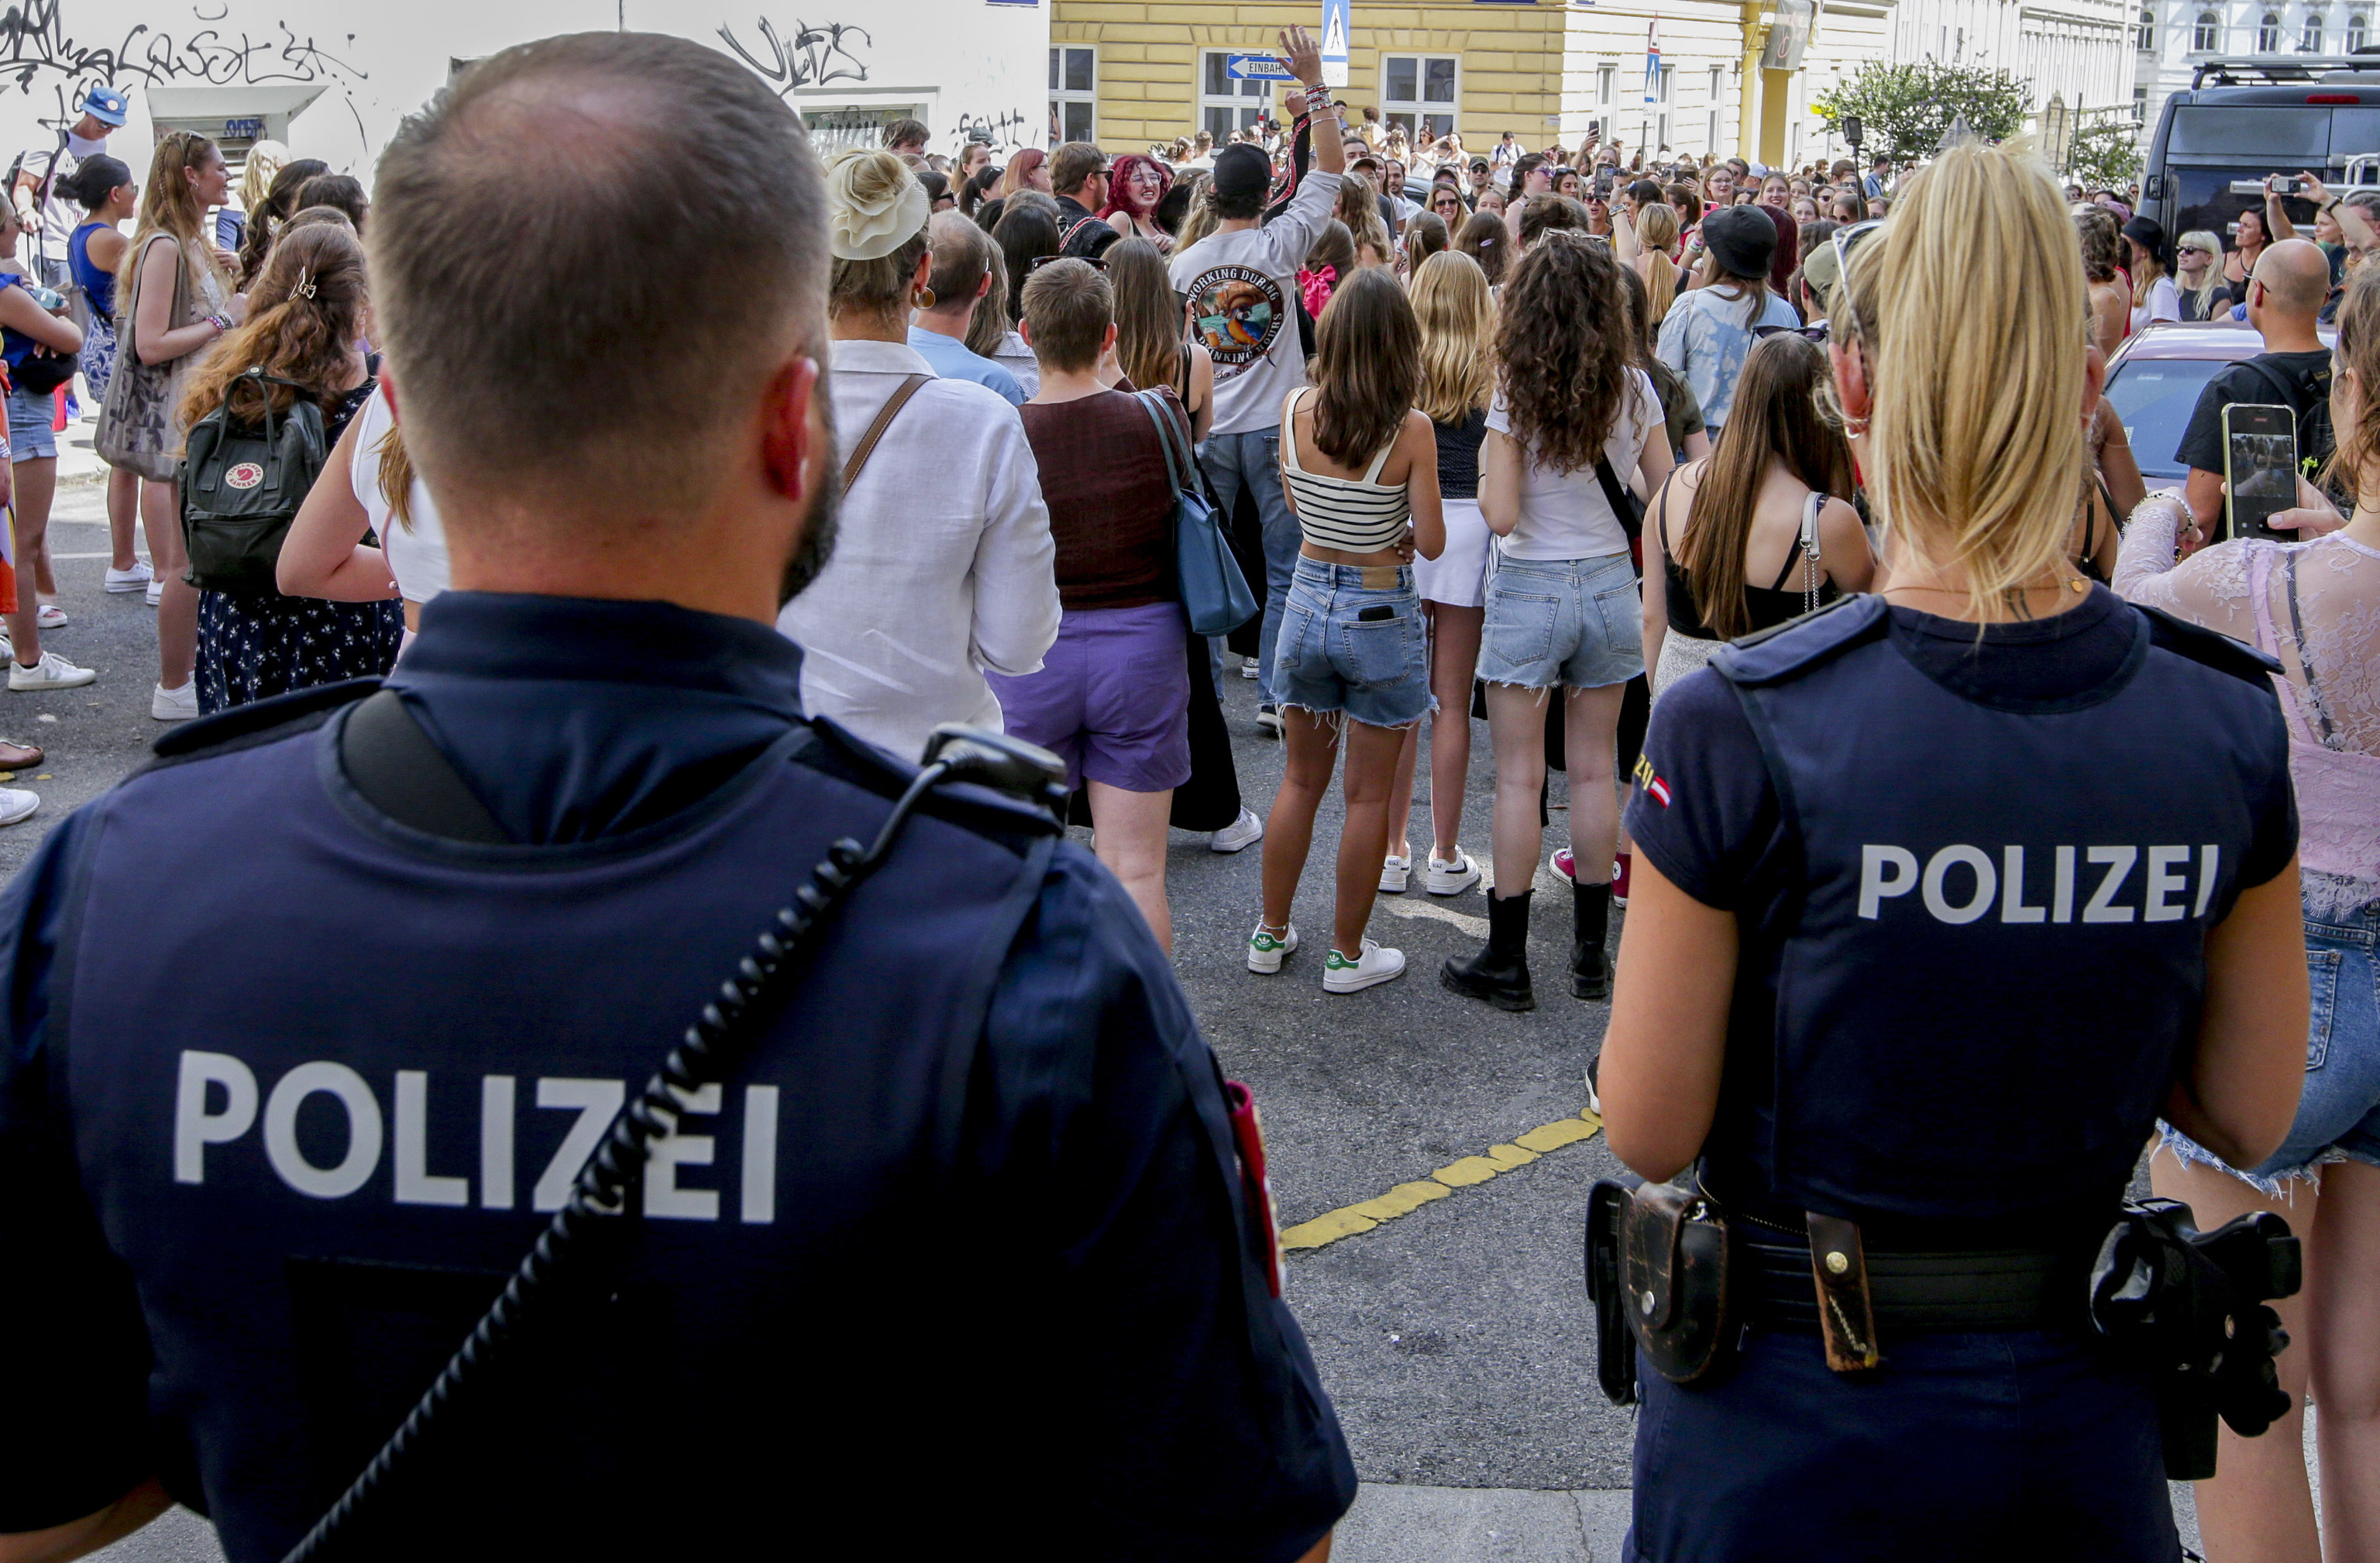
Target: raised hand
column 1302, row 55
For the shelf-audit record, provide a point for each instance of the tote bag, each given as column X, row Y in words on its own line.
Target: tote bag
column 1214, row 594
column 135, row 418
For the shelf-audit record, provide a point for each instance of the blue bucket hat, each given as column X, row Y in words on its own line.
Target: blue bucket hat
column 104, row 104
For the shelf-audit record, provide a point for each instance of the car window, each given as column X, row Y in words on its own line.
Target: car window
column 2155, row 399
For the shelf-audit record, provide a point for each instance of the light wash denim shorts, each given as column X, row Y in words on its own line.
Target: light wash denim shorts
column 2338, row 1108
column 29, row 426
column 1579, row 623
column 1352, row 641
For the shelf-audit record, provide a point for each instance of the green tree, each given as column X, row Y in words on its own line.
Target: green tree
column 2105, row 155
column 1905, row 110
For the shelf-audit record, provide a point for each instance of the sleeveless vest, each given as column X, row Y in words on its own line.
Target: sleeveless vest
column 1996, row 962
column 325, row 1093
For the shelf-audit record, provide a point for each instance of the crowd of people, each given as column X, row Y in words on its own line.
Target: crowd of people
column 1692, row 478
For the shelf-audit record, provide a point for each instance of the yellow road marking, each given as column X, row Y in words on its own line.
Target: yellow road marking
column 1349, row 1221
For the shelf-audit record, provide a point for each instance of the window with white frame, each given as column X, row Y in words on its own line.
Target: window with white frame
column 1073, row 75
column 2359, row 28
column 1226, row 104
column 1662, row 119
column 1718, row 105
column 2269, row 34
column 1418, row 93
column 1607, row 86
column 2144, row 31
column 2140, row 105
column 2310, row 42
column 2206, row 37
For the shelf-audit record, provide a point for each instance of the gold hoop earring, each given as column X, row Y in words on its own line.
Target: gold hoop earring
column 921, row 297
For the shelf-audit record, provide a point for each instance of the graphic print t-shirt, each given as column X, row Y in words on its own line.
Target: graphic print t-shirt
column 1240, row 286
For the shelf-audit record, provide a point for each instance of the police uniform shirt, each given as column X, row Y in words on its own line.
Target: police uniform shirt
column 254, row 1205
column 1999, row 914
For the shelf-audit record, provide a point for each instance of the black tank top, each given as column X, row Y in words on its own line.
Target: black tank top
column 1458, row 455
column 1768, row 606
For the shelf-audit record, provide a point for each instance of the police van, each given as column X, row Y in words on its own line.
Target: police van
column 2243, row 120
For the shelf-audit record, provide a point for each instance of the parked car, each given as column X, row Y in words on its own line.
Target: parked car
column 2154, row 379
column 2243, row 120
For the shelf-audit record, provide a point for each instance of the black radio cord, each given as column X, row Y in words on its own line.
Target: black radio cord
column 711, row 1048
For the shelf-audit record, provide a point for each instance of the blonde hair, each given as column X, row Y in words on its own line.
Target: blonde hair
column 264, row 160
column 1657, row 230
column 2205, row 292
column 1458, row 333
column 1976, row 437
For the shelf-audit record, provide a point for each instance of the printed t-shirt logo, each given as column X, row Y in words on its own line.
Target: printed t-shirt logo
column 247, row 474
column 1237, row 312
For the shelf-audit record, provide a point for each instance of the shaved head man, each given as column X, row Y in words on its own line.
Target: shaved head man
column 2284, row 298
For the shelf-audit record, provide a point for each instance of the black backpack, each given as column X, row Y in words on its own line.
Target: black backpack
column 2311, row 403
column 241, row 488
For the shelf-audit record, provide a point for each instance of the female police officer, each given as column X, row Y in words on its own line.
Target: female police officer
column 1944, row 895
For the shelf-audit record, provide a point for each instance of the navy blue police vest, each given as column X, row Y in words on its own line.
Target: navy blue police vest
column 1996, row 961
column 325, row 1091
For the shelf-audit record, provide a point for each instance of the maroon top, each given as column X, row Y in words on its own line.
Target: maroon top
column 1111, row 501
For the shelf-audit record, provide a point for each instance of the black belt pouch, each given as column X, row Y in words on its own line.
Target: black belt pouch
column 1667, row 1251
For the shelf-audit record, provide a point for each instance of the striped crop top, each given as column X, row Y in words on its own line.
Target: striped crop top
column 1355, row 515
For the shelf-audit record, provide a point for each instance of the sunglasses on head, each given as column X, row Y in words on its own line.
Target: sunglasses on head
column 1845, row 241
column 1097, row 263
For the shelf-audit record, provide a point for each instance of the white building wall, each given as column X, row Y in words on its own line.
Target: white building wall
column 2079, row 50
column 2239, row 28
column 953, row 64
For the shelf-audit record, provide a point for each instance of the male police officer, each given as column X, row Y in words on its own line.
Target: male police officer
column 961, row 1258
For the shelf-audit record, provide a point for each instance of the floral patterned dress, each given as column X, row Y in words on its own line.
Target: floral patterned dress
column 253, row 645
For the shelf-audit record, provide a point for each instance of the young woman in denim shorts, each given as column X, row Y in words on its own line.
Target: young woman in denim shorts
column 1359, row 465
column 2315, row 606
column 1562, row 608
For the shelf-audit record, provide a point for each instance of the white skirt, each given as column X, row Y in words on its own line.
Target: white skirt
column 1458, row 576
column 1681, row 654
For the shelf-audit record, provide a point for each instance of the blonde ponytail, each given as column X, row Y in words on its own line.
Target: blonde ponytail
column 1976, row 445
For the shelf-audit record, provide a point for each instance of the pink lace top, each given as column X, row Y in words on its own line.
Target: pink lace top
column 2315, row 606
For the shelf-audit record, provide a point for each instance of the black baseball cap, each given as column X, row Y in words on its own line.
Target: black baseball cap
column 1242, row 169
column 1742, row 238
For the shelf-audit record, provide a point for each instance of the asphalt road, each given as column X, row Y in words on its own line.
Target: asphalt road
column 1454, row 1339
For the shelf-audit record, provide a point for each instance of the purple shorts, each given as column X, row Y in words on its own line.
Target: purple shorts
column 1112, row 698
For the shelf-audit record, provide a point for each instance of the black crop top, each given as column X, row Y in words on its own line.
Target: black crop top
column 1458, row 456
column 1768, row 605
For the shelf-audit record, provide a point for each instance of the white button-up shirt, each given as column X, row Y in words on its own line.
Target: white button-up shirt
column 942, row 565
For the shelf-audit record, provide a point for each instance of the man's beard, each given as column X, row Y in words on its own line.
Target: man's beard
column 818, row 527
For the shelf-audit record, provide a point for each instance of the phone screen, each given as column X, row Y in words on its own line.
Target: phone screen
column 2260, row 469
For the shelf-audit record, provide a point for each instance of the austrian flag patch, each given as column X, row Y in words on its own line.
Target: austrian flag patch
column 1655, row 787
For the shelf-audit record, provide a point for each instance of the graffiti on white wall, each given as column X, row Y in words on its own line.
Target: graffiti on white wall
column 37, row 52
column 813, row 57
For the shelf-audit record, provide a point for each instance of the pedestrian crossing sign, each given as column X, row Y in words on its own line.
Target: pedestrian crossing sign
column 1336, row 30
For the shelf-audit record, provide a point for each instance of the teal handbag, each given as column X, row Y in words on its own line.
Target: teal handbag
column 1214, row 594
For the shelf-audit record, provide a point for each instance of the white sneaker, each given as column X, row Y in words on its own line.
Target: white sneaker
column 17, row 804
column 136, row 578
column 1374, row 966
column 175, row 705
column 1244, row 832
column 1251, row 668
column 1445, row 878
column 53, row 672
column 1396, row 872
column 1268, row 721
column 154, row 590
column 1267, row 949
column 53, row 616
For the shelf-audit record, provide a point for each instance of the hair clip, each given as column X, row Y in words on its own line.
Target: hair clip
column 305, row 288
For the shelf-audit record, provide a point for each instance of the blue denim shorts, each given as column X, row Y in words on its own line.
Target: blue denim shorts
column 2338, row 1109
column 1579, row 623
column 1352, row 641
column 28, row 427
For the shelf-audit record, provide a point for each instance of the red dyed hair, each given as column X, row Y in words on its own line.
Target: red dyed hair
column 1120, row 175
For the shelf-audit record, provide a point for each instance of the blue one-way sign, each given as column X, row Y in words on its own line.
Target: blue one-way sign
column 1256, row 67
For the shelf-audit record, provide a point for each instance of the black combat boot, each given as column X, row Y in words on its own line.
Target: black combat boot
column 1500, row 972
column 1590, row 921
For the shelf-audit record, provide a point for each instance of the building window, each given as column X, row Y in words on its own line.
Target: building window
column 1417, row 92
column 2269, row 34
column 1607, row 86
column 2140, row 105
column 2208, row 36
column 2144, row 31
column 2310, row 42
column 1071, row 94
column 1718, row 105
column 2359, row 26
column 1225, row 105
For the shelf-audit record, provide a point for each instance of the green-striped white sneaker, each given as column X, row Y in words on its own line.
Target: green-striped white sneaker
column 1370, row 969
column 1267, row 949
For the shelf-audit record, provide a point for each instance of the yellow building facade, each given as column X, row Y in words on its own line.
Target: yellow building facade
column 1132, row 73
